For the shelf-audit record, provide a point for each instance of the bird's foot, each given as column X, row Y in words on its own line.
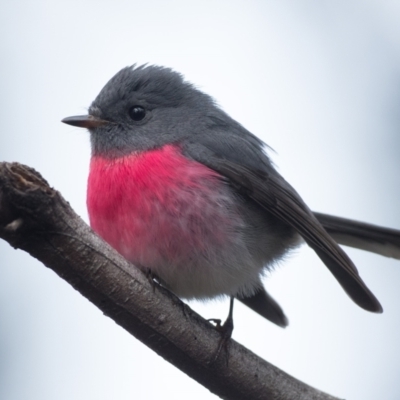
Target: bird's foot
column 226, row 333
column 152, row 278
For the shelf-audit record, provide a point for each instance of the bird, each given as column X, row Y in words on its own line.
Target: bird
column 186, row 193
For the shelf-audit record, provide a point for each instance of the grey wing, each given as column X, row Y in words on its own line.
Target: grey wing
column 267, row 188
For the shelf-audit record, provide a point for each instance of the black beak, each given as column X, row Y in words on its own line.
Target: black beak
column 85, row 121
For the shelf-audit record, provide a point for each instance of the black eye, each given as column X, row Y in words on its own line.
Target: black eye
column 137, row 113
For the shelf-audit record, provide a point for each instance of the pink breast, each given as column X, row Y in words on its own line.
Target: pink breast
column 158, row 206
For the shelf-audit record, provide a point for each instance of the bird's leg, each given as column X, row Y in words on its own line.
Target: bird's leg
column 226, row 332
column 152, row 278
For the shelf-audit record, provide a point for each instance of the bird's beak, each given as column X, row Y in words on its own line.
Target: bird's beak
column 85, row 121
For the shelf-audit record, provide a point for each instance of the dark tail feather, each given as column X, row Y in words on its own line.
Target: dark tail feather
column 372, row 238
column 263, row 304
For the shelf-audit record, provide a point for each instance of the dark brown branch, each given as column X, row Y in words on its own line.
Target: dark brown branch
column 35, row 218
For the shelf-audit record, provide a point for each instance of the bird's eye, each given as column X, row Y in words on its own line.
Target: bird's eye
column 137, row 113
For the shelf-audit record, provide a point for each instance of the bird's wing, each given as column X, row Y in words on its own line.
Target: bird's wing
column 373, row 238
column 276, row 196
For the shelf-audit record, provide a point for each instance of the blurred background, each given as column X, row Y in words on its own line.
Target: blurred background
column 319, row 81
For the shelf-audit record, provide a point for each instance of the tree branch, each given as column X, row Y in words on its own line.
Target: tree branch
column 35, row 218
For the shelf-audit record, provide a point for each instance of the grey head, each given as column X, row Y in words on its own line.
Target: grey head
column 145, row 107
column 141, row 108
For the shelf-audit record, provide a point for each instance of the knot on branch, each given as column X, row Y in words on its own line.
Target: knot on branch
column 24, row 178
column 24, row 194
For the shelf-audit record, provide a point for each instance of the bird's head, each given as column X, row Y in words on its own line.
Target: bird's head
column 142, row 108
